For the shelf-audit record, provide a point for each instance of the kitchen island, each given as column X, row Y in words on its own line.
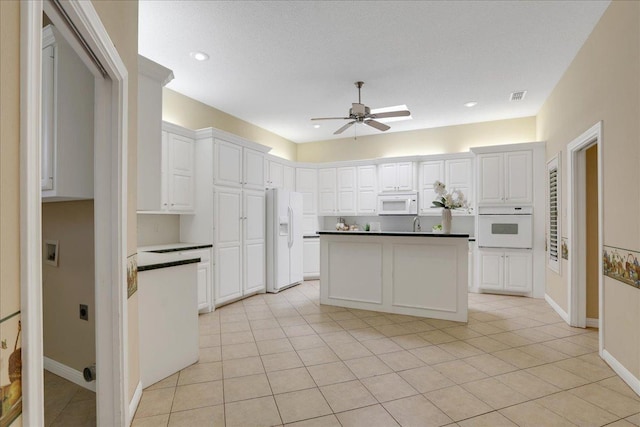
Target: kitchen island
column 418, row 274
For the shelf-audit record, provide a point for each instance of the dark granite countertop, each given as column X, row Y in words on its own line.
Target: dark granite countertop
column 153, row 261
column 394, row 233
column 174, row 247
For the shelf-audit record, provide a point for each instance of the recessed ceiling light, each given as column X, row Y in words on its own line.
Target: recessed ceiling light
column 471, row 104
column 316, row 126
column 199, row 56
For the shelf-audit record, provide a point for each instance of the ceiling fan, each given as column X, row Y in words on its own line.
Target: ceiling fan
column 360, row 113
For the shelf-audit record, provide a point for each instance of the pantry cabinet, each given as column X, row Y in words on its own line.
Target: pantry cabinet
column 396, row 176
column 239, row 243
column 505, row 270
column 505, row 178
column 67, row 121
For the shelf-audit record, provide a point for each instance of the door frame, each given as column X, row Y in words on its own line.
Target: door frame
column 110, row 212
column 576, row 221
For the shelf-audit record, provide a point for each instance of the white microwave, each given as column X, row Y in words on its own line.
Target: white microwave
column 398, row 204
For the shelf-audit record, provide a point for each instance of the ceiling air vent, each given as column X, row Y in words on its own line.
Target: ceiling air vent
column 518, row 96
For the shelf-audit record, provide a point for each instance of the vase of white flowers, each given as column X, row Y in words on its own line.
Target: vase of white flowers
column 448, row 200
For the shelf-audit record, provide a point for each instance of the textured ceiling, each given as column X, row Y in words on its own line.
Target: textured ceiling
column 277, row 64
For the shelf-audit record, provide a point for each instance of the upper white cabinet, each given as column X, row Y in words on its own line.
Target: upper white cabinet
column 237, row 166
column 327, row 192
column 279, row 175
column 505, row 178
column 67, row 121
column 429, row 172
column 346, row 190
column 454, row 173
column 396, row 176
column 307, row 184
column 178, row 192
column 367, row 203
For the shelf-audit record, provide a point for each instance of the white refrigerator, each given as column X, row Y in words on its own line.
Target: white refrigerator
column 284, row 239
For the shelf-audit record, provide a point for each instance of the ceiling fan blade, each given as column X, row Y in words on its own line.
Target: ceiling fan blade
column 343, row 128
column 331, row 118
column 377, row 125
column 402, row 113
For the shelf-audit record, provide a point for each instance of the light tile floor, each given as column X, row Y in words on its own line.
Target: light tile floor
column 284, row 359
column 67, row 404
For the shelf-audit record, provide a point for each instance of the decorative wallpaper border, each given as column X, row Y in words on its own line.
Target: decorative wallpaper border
column 132, row 275
column 622, row 265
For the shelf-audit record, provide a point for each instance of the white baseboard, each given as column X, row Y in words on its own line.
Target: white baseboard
column 593, row 323
column 557, row 308
column 623, row 372
column 68, row 373
column 135, row 401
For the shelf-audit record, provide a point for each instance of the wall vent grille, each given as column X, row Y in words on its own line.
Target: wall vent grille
column 517, row 96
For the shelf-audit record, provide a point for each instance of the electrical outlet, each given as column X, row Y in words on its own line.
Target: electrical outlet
column 84, row 312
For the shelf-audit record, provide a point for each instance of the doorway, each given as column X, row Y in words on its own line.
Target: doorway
column 83, row 29
column 584, row 218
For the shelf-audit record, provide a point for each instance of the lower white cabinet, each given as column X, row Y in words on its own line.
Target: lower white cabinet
column 239, row 242
column 311, row 258
column 505, row 270
column 204, row 278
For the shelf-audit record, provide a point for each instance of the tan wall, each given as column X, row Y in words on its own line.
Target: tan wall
column 9, row 180
column 602, row 84
column 192, row 114
column 120, row 18
column 592, row 231
column 68, row 339
column 449, row 139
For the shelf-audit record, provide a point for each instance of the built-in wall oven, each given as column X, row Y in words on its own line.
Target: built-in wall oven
column 505, row 227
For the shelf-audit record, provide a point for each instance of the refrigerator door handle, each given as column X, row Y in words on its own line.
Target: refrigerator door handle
column 290, row 237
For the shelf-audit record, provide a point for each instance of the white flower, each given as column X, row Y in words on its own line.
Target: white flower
column 439, row 188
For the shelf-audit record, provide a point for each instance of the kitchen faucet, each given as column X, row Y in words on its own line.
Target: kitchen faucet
column 417, row 218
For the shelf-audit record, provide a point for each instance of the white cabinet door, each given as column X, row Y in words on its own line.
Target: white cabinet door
column 48, row 118
column 367, row 190
column 458, row 173
column 253, row 170
column 491, row 270
column 254, row 242
column 311, row 258
column 388, row 177
column 404, row 176
column 276, row 175
column 430, row 172
column 518, row 273
column 228, row 244
column 181, row 179
column 204, row 277
column 327, row 191
column 518, row 177
column 289, row 178
column 346, row 195
column 307, row 185
column 228, row 164
column 490, row 178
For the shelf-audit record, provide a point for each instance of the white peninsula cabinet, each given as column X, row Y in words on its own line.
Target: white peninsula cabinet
column 505, row 270
column 505, row 178
column 67, row 121
column 455, row 173
column 396, row 176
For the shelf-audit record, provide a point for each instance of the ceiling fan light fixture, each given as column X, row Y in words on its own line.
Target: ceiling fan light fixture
column 470, row 104
column 199, row 56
